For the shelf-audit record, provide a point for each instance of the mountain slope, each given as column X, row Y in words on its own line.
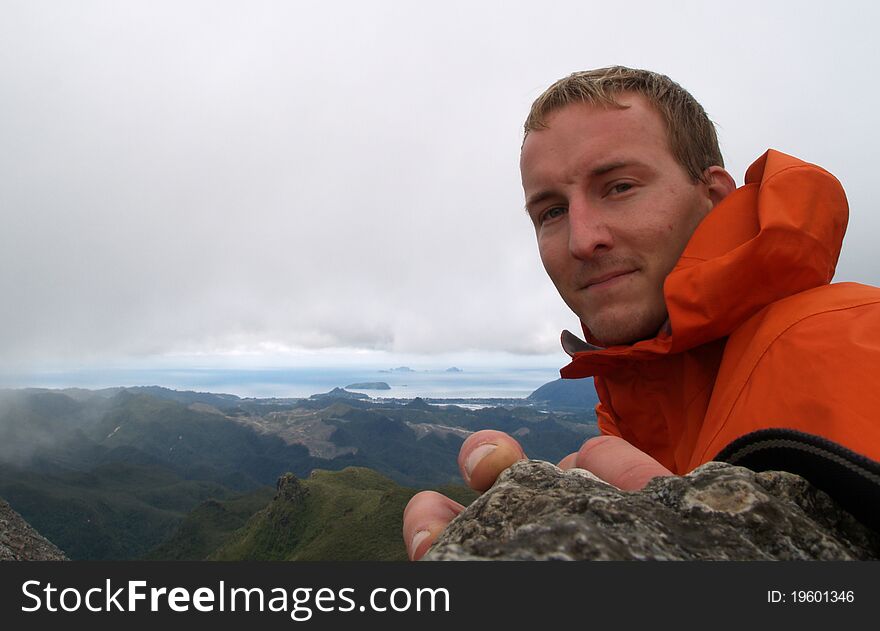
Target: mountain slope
column 353, row 514
column 208, row 527
column 567, row 394
column 111, row 474
column 114, row 511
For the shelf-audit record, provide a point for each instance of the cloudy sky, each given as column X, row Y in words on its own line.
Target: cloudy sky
column 288, row 179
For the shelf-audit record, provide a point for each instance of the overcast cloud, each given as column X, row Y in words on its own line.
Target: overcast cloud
column 208, row 177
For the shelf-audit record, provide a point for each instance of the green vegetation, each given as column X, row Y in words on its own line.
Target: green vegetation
column 128, row 473
column 353, row 514
column 209, row 526
column 115, row 511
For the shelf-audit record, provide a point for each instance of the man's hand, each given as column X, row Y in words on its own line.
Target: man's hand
column 481, row 459
column 485, row 454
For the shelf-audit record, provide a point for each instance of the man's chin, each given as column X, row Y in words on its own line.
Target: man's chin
column 620, row 330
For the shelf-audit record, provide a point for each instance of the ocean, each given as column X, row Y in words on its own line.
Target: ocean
column 475, row 383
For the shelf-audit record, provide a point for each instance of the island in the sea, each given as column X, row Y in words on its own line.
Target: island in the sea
column 369, row 385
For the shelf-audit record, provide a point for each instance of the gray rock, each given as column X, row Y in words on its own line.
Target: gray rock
column 290, row 489
column 20, row 542
column 536, row 511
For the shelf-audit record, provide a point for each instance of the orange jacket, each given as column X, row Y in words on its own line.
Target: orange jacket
column 757, row 338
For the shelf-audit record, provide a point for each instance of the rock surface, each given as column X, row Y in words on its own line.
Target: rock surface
column 536, row 511
column 20, row 542
column 290, row 489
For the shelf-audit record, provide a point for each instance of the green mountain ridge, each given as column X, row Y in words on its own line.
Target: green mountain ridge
column 352, row 514
column 113, row 474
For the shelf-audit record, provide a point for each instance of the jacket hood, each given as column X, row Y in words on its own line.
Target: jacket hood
column 777, row 235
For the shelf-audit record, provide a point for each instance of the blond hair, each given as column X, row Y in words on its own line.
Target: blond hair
column 692, row 137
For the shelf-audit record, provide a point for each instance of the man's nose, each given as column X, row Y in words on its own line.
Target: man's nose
column 588, row 232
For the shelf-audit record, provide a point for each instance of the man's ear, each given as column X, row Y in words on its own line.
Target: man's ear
column 719, row 182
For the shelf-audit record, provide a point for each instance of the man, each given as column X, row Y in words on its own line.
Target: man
column 711, row 329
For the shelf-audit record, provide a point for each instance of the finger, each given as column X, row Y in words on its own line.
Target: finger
column 484, row 455
column 426, row 515
column 619, row 463
column 569, row 462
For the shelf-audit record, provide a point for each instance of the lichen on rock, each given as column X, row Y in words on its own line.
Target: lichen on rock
column 536, row 511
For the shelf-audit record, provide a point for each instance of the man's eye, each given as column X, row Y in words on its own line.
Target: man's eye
column 619, row 188
column 553, row 213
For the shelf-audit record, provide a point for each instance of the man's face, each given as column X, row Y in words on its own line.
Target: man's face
column 613, row 211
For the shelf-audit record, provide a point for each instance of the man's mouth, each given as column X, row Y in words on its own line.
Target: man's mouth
column 608, row 280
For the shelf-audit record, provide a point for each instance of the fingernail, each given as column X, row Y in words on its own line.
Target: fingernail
column 476, row 455
column 417, row 538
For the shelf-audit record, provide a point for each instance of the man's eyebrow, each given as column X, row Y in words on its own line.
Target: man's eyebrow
column 597, row 171
column 537, row 198
column 602, row 169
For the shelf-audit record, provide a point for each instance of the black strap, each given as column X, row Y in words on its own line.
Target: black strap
column 851, row 479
